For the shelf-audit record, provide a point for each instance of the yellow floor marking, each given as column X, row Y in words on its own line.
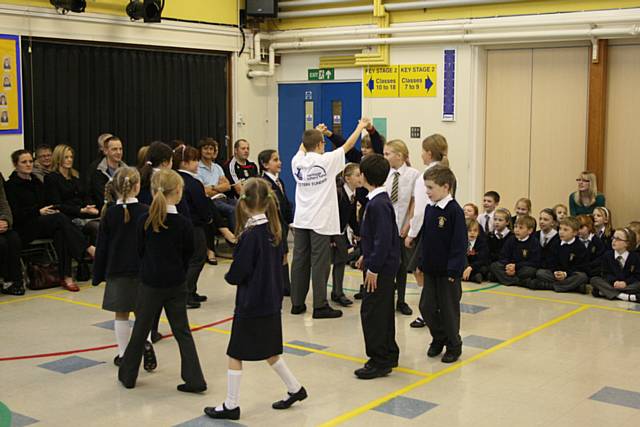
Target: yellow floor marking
column 364, row 408
column 82, row 303
column 30, row 297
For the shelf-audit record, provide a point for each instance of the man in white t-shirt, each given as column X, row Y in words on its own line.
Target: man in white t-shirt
column 316, row 219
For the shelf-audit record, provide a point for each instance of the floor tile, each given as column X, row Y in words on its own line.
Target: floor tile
column 205, row 421
column 478, row 341
column 296, row 352
column 618, row 396
column 308, row 345
column 472, row 309
column 69, row 364
column 109, row 324
column 405, row 407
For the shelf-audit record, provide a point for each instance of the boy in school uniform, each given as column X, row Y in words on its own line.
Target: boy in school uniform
column 490, row 203
column 565, row 267
column 500, row 233
column 380, row 261
column 477, row 253
column 443, row 262
column 316, row 219
column 520, row 256
column 592, row 243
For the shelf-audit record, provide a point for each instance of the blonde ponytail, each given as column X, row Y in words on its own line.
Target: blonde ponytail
column 259, row 197
column 164, row 182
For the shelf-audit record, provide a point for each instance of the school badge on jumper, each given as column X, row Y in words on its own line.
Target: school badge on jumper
column 441, row 221
column 525, row 253
column 593, row 250
column 571, row 257
column 632, row 268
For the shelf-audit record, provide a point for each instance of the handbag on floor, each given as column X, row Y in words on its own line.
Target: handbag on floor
column 43, row 276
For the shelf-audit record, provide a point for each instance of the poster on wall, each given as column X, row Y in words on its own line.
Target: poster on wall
column 403, row 81
column 10, row 86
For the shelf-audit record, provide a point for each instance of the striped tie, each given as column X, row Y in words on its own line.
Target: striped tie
column 394, row 187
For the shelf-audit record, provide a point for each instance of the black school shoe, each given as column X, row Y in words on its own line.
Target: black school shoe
column 193, row 304
column 369, row 372
column 199, row 298
column 418, row 323
column 186, row 388
column 360, row 293
column 435, row 348
column 16, row 289
column 117, row 360
column 298, row 396
column 326, row 312
column 298, row 309
column 155, row 336
column 342, row 300
column 225, row 414
column 452, row 354
column 404, row 308
column 150, row 362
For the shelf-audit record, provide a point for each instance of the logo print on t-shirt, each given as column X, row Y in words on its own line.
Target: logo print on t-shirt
column 315, row 175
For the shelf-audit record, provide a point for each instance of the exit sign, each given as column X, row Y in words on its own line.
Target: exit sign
column 321, row 73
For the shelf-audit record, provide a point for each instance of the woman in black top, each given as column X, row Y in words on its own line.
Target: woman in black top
column 35, row 219
column 64, row 190
column 10, row 269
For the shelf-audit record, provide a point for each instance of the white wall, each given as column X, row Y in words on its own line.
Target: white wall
column 465, row 135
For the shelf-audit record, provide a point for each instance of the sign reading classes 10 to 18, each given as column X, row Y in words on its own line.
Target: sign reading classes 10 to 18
column 405, row 81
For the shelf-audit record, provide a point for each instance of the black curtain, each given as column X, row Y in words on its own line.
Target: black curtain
column 75, row 92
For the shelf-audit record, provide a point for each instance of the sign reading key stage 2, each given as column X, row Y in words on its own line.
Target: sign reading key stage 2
column 405, row 81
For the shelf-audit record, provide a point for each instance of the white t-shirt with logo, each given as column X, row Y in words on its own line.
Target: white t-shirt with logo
column 316, row 192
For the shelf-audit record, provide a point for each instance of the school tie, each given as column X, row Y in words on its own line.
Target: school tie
column 585, row 243
column 620, row 261
column 394, row 187
column 279, row 184
column 486, row 223
column 545, row 241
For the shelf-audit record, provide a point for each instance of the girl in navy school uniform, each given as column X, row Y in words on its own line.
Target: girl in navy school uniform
column 348, row 182
column 116, row 259
column 256, row 333
column 477, row 253
column 603, row 225
column 595, row 247
column 522, row 208
column 561, row 212
column 270, row 168
column 547, row 235
column 620, row 269
column 165, row 246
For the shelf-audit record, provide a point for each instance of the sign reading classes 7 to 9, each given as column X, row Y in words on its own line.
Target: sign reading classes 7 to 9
column 405, row 81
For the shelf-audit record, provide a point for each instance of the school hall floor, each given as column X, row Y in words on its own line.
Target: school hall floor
column 529, row 358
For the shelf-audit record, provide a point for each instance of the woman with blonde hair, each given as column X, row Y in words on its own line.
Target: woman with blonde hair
column 583, row 201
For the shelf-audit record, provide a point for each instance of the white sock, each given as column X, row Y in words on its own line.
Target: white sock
column 233, row 390
column 123, row 333
column 281, row 368
column 149, row 337
column 623, row 296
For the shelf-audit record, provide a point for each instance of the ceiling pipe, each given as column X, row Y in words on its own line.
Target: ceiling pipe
column 326, row 12
column 302, row 3
column 414, row 5
column 556, row 35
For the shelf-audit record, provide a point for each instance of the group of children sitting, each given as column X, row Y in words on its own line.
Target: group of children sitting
column 564, row 254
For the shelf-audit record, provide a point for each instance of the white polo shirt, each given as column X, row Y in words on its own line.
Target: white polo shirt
column 406, row 184
column 316, row 192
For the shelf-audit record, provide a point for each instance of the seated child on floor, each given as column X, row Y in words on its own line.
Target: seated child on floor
column 477, row 253
column 620, row 269
column 592, row 243
column 496, row 238
column 520, row 256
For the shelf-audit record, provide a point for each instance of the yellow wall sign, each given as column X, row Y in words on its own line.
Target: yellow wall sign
column 10, row 86
column 418, row 80
column 405, row 81
column 380, row 82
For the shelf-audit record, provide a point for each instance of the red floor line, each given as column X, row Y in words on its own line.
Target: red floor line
column 104, row 347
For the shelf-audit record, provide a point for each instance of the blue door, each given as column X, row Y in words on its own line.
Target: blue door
column 303, row 105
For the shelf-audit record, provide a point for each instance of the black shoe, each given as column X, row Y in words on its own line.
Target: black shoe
column 117, row 360
column 582, row 289
column 477, row 278
column 186, row 388
column 193, row 304
column 326, row 312
column 435, row 348
column 15, row 289
column 404, row 308
column 198, row 297
column 83, row 273
column 342, row 300
column 370, row 372
column 418, row 323
column 360, row 293
column 298, row 309
column 298, row 396
column 155, row 336
column 451, row 355
column 150, row 362
column 225, row 414
column 212, row 261
column 595, row 292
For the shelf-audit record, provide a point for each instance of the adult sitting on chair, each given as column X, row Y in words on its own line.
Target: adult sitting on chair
column 105, row 170
column 10, row 269
column 64, row 190
column 34, row 219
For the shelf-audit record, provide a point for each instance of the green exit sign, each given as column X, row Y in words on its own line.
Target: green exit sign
column 321, row 74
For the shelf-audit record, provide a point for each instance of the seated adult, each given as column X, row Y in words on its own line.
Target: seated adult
column 587, row 198
column 215, row 182
column 108, row 166
column 10, row 269
column 35, row 219
column 64, row 190
column 100, row 155
column 44, row 162
column 239, row 168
